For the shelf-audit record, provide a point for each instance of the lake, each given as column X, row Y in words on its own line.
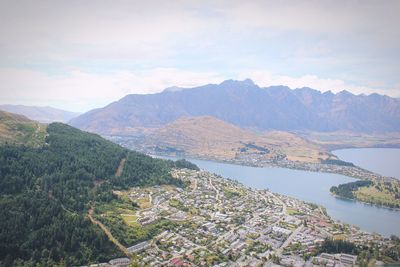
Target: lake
column 311, row 187
column 385, row 161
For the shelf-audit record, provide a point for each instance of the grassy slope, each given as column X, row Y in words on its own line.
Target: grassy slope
column 381, row 194
column 209, row 137
column 17, row 129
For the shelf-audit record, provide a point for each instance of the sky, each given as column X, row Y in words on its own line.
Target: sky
column 80, row 55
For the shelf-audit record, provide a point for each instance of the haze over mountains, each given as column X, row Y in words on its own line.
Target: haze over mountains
column 247, row 105
column 41, row 114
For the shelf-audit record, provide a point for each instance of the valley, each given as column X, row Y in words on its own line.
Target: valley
column 342, row 139
column 212, row 139
column 158, row 211
column 242, row 123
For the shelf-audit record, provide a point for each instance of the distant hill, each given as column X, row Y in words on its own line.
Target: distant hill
column 338, row 140
column 41, row 114
column 17, row 129
column 208, row 137
column 246, row 105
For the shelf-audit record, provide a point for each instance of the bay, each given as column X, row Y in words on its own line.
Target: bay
column 384, row 161
column 311, row 187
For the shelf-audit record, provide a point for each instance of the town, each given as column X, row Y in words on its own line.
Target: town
column 220, row 222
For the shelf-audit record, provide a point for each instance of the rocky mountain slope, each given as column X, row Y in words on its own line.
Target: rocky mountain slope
column 246, row 105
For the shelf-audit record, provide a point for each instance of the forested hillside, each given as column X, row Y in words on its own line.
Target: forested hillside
column 45, row 193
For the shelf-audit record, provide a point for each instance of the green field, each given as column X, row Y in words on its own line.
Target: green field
column 380, row 193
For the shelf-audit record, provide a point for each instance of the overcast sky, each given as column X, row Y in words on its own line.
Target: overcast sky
column 79, row 55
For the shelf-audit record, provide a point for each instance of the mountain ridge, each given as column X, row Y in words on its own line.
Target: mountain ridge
column 247, row 105
column 44, row 114
column 18, row 129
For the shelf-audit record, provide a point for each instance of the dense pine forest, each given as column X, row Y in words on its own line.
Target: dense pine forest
column 46, row 191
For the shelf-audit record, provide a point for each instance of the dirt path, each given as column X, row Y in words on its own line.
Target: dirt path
column 195, row 185
column 122, row 248
column 107, row 232
column 120, row 168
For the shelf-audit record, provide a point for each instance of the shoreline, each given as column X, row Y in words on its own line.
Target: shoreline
column 365, row 202
column 326, row 168
column 358, row 172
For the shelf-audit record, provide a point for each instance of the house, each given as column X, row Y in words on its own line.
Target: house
column 348, row 259
column 120, row 262
column 139, row 247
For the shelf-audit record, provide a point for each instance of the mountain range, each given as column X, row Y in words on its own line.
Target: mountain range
column 245, row 104
column 41, row 114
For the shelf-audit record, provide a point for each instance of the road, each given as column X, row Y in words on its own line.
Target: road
column 289, row 240
column 195, row 185
column 284, row 207
column 216, row 190
column 108, row 233
column 283, row 213
column 120, row 168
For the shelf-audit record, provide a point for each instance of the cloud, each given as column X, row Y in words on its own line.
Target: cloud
column 326, row 17
column 266, row 78
column 94, row 30
column 138, row 30
column 84, row 54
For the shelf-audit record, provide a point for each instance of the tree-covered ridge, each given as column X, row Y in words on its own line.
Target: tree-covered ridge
column 45, row 193
column 381, row 193
column 142, row 170
column 347, row 190
column 36, row 229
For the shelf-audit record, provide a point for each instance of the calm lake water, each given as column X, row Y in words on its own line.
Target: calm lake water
column 311, row 187
column 385, row 161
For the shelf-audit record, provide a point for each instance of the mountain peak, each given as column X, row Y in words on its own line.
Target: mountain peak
column 173, row 89
column 345, row 93
column 246, row 82
column 328, row 93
